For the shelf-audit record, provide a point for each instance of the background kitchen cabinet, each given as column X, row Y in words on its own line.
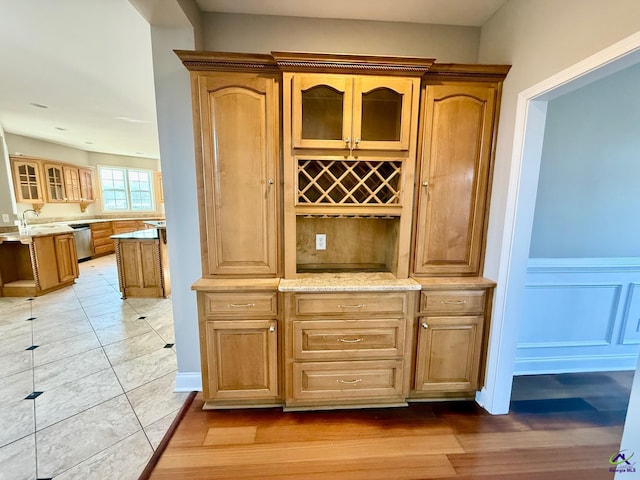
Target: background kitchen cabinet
column 87, row 189
column 54, row 179
column 27, row 178
column 101, row 238
column 71, row 183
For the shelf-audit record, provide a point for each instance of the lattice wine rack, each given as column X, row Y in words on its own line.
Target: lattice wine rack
column 339, row 182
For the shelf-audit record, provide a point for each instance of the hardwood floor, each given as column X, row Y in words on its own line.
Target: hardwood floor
column 560, row 426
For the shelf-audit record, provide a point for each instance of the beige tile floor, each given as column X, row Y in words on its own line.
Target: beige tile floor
column 105, row 368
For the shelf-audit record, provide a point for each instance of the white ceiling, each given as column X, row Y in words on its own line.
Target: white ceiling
column 89, row 62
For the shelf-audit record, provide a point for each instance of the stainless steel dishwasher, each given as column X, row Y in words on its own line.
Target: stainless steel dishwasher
column 82, row 236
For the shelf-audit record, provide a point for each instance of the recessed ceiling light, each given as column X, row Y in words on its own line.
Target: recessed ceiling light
column 89, row 143
column 62, row 129
column 39, row 105
column 139, row 153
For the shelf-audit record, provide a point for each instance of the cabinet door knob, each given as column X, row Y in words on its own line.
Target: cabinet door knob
column 425, row 325
column 347, row 142
column 425, row 184
column 272, row 329
column 357, row 142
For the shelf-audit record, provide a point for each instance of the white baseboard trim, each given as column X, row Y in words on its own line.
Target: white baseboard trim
column 188, row 382
column 602, row 363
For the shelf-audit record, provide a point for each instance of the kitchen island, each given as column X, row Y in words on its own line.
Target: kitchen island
column 143, row 263
column 38, row 261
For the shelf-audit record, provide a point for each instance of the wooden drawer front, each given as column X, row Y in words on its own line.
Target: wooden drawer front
column 102, row 249
column 350, row 304
column 462, row 302
column 335, row 381
column 339, row 339
column 241, row 304
column 105, row 228
column 98, row 241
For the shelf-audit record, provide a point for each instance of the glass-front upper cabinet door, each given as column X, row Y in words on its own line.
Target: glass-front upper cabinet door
column 322, row 111
column 382, row 112
column 27, row 181
column 55, row 183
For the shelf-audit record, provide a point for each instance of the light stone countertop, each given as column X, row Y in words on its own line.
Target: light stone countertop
column 147, row 234
column 347, row 282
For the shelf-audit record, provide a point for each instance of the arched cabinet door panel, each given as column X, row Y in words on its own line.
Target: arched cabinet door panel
column 457, row 135
column 239, row 120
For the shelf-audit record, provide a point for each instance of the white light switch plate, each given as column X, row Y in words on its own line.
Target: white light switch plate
column 321, row 241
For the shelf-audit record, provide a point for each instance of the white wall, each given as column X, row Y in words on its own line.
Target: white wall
column 7, row 196
column 264, row 34
column 588, row 187
column 539, row 38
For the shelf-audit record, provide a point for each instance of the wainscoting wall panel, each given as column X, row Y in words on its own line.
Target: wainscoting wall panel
column 580, row 315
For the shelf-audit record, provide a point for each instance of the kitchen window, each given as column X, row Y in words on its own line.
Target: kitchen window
column 126, row 189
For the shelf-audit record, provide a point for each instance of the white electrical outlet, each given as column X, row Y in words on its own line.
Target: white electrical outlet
column 5, row 217
column 321, row 241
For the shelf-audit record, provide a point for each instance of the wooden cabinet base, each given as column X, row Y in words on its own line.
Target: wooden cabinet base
column 40, row 265
column 143, row 268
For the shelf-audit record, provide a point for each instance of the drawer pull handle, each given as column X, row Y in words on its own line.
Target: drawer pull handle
column 425, row 325
column 360, row 305
column 454, row 302
column 350, row 382
column 355, row 340
column 237, row 305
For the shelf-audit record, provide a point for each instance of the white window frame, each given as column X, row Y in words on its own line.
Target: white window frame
column 127, row 188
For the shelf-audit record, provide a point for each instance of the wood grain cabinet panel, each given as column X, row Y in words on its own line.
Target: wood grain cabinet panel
column 457, row 136
column 241, row 360
column 240, row 155
column 139, row 268
column 66, row 257
column 448, row 355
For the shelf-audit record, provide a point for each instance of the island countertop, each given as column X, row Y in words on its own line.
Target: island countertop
column 146, row 234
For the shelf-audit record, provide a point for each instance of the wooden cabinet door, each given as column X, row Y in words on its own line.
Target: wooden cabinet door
column 157, row 183
column 54, row 181
column 71, row 184
column 240, row 125
column 456, row 154
column 86, row 185
column 242, row 360
column 448, row 355
column 66, row 257
column 139, row 268
column 382, row 112
column 322, row 111
column 27, row 181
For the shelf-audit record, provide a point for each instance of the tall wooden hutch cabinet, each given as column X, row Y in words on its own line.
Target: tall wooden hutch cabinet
column 343, row 206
